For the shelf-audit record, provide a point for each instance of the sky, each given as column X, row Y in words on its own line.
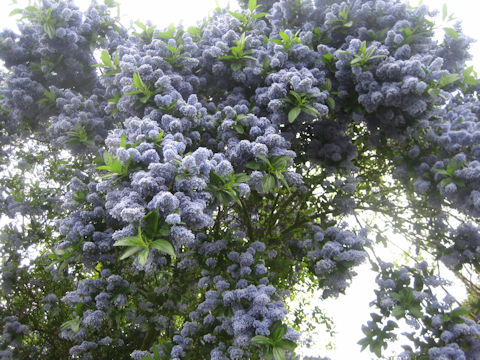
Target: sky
column 349, row 312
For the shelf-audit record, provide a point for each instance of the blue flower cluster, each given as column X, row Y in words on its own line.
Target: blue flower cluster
column 440, row 329
column 226, row 156
column 332, row 253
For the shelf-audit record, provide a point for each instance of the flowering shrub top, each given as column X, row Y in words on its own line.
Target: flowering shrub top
column 189, row 179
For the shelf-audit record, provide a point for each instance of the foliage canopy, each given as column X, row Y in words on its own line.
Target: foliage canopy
column 166, row 192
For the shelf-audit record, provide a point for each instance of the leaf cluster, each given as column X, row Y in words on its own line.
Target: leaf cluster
column 238, row 57
column 143, row 90
column 248, row 19
column 344, row 22
column 275, row 345
column 152, row 237
column 364, row 55
column 114, row 166
column 298, row 103
column 273, row 168
column 224, row 189
column 287, row 41
column 112, row 66
column 36, row 13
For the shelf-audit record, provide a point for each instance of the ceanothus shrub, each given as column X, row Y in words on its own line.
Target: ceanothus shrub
column 195, row 179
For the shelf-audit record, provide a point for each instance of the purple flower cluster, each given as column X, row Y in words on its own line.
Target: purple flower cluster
column 184, row 230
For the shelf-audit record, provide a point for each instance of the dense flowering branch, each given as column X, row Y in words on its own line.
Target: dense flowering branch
column 195, row 179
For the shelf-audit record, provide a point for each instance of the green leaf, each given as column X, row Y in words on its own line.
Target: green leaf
column 164, row 246
column 444, row 12
column 357, row 61
column 268, row 183
column 282, row 180
column 284, row 36
column 460, row 311
column 130, row 241
column 263, row 158
column 105, row 57
column 262, row 340
column 259, row 15
column 223, row 197
column 310, row 110
column 445, row 182
column 215, row 178
column 236, row 67
column 278, row 330
column 150, row 221
column 278, row 353
column 241, row 178
column 416, row 311
column 376, row 348
column 15, row 12
column 330, row 103
column 73, row 324
column 49, row 29
column 418, row 283
column 242, row 18
column 328, row 84
column 276, row 41
column 252, row 5
column 364, row 343
column 141, row 25
column 448, row 79
column 280, row 162
column 159, row 137
column 453, row 166
column 254, row 165
column 398, row 312
column 451, row 32
column 238, row 128
column 286, row 344
column 123, row 141
column 470, row 76
column 156, row 353
column 130, row 251
column 143, row 256
column 296, row 96
column 434, row 92
column 293, row 114
column 137, row 81
column 268, row 355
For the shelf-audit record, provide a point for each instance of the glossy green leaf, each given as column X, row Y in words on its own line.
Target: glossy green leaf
column 330, row 103
column 278, row 330
column 286, row 344
column 216, row 179
column 278, row 353
column 130, row 241
column 268, row 183
column 143, row 256
column 280, row 162
column 254, row 165
column 130, row 251
column 262, row 340
column 293, row 114
column 164, row 246
column 398, row 312
column 239, row 128
column 416, row 311
column 451, row 32
column 364, row 343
